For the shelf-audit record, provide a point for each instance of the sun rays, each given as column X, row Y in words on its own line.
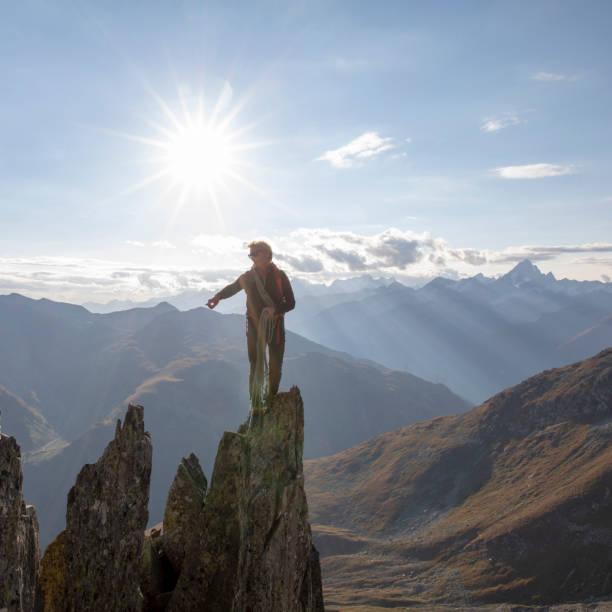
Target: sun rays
column 196, row 153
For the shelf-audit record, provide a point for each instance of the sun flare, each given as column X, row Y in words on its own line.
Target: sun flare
column 198, row 154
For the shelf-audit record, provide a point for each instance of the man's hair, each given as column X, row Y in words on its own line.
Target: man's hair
column 260, row 245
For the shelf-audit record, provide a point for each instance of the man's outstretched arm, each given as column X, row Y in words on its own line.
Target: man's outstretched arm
column 226, row 292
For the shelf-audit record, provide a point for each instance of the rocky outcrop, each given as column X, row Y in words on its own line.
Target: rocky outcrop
column 53, row 575
column 165, row 544
column 95, row 564
column 183, row 509
column 249, row 547
column 19, row 554
column 243, row 545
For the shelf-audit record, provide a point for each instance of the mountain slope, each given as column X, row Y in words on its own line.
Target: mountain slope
column 77, row 366
column 587, row 341
column 80, row 366
column 24, row 422
column 511, row 501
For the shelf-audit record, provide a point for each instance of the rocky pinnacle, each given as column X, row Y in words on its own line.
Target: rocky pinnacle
column 19, row 554
column 95, row 564
column 252, row 549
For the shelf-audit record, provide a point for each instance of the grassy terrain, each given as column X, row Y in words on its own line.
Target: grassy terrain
column 509, row 502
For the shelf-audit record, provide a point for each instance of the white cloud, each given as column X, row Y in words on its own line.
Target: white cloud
column 84, row 279
column 163, row 244
column 549, row 76
column 607, row 261
column 332, row 254
column 393, row 252
column 499, row 123
column 550, row 252
column 365, row 146
column 146, row 279
column 533, row 171
column 158, row 244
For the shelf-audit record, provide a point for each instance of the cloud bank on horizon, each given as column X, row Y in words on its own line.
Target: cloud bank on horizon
column 314, row 255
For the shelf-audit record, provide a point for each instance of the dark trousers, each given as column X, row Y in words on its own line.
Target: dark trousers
column 276, row 351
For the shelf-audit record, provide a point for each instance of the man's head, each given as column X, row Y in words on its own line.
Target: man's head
column 260, row 250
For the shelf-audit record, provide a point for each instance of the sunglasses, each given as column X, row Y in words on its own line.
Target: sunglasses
column 254, row 254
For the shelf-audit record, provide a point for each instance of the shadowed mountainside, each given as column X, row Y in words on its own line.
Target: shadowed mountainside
column 24, row 422
column 511, row 501
column 47, row 346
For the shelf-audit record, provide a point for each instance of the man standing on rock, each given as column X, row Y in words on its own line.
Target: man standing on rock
column 269, row 296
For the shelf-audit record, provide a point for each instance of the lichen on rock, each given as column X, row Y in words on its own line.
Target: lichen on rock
column 100, row 551
column 19, row 552
column 250, row 546
column 53, row 574
column 246, row 541
column 183, row 509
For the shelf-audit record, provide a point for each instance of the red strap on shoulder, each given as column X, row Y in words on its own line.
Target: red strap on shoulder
column 279, row 281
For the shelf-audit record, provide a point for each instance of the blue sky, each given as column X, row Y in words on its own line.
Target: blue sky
column 406, row 138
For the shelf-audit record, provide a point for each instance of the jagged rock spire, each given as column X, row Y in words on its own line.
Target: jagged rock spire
column 183, row 509
column 250, row 546
column 95, row 564
column 19, row 553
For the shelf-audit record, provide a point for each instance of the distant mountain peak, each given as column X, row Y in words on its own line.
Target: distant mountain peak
column 526, row 266
column 357, row 283
column 526, row 272
column 165, row 306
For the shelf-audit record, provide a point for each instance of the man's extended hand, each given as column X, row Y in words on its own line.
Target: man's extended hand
column 214, row 300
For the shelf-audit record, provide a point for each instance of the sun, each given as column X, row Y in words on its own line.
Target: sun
column 198, row 154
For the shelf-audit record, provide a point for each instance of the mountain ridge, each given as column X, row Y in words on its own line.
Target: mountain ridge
column 364, row 283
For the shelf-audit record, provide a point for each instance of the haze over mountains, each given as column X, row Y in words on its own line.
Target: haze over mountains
column 303, row 290
column 69, row 371
column 477, row 335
